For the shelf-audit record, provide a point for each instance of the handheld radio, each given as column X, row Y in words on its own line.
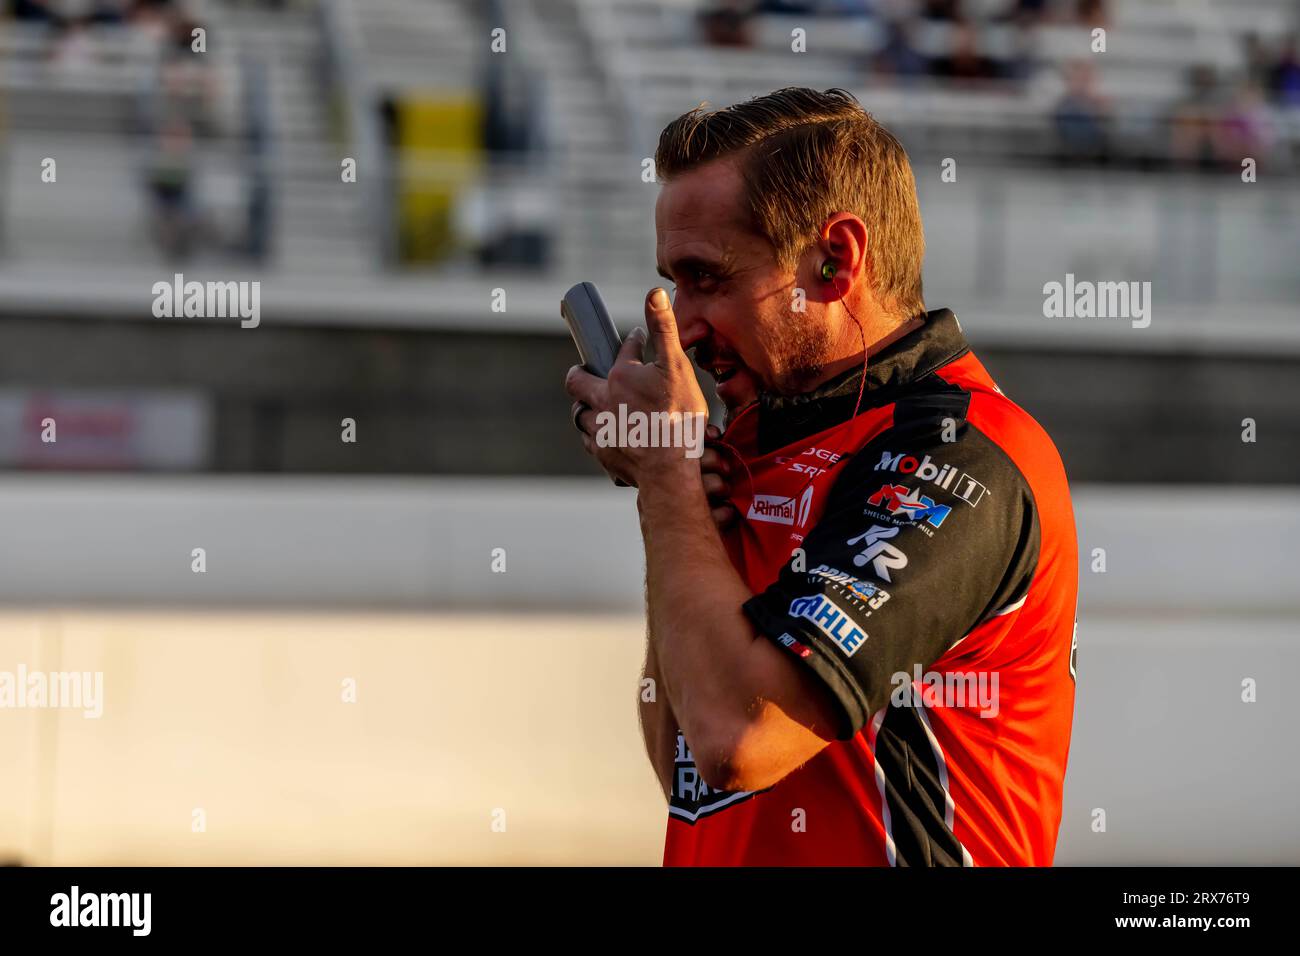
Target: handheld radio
column 592, row 329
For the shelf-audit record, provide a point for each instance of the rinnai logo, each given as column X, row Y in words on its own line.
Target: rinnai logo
column 879, row 553
column 831, row 619
column 102, row 909
column 782, row 509
column 900, row 500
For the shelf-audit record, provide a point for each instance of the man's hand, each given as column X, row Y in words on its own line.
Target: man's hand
column 716, row 471
column 666, row 385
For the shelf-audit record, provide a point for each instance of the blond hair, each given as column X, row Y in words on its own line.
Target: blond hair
column 804, row 155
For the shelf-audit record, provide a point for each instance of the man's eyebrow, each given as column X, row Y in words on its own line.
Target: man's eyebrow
column 691, row 262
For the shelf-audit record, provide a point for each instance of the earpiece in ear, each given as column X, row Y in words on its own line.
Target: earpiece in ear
column 828, row 270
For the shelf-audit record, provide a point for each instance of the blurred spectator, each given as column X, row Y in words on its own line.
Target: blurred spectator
column 1245, row 128
column 1284, row 79
column 1092, row 13
column 170, row 180
column 898, row 56
column 108, row 12
column 177, row 105
column 1194, row 120
column 152, row 20
column 33, row 11
column 74, row 51
column 786, row 6
column 941, row 9
column 965, row 61
column 1081, row 117
column 1258, row 62
column 848, row 8
column 1029, row 11
column 184, row 83
column 1020, row 57
column 727, row 23
column 513, row 109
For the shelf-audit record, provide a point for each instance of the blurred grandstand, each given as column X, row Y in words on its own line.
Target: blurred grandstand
column 522, row 170
column 499, row 152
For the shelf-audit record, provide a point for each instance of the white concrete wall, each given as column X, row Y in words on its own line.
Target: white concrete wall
column 481, row 691
column 570, row 543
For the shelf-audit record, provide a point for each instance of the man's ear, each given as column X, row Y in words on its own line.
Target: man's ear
column 845, row 240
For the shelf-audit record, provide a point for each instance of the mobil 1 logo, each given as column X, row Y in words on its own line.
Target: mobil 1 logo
column 948, row 477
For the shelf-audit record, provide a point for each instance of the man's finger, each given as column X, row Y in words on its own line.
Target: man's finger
column 715, row 486
column 662, row 324
column 584, row 417
column 632, row 350
column 712, row 460
column 587, row 388
column 724, row 517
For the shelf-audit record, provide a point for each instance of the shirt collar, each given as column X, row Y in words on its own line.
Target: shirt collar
column 783, row 419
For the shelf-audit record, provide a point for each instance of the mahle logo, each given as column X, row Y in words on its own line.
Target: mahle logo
column 831, row 619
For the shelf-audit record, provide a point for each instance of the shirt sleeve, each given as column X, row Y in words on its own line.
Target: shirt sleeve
column 921, row 540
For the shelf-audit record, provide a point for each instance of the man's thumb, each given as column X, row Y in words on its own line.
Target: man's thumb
column 661, row 322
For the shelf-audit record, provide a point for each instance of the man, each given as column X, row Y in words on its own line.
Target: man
column 872, row 663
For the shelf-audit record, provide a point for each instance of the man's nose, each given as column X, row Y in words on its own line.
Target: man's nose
column 692, row 329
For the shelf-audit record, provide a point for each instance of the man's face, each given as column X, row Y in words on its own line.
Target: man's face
column 733, row 302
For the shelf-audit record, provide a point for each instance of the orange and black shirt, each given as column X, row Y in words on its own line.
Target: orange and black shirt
column 920, row 557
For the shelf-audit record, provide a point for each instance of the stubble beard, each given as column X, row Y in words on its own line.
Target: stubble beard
column 800, row 355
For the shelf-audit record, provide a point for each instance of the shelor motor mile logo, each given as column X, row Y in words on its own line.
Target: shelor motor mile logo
column 903, row 503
